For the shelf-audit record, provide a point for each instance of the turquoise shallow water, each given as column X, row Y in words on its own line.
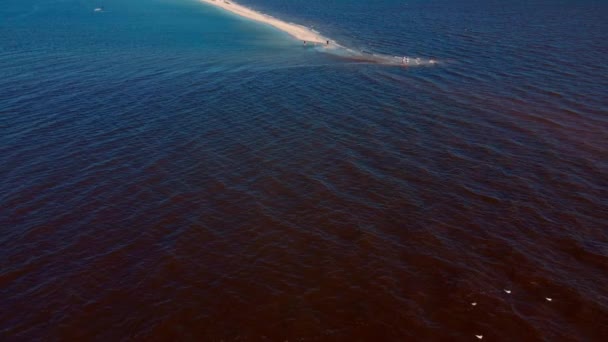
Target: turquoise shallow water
column 171, row 171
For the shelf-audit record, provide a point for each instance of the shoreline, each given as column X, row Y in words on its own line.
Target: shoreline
column 313, row 38
column 296, row 31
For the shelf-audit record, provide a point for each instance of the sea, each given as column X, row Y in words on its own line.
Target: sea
column 171, row 171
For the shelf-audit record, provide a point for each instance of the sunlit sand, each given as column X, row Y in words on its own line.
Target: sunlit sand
column 297, row 31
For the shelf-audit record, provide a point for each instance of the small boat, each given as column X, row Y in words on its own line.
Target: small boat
column 98, row 9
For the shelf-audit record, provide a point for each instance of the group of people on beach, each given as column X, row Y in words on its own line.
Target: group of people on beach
column 326, row 42
column 406, row 61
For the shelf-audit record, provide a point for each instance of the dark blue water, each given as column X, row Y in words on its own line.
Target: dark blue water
column 170, row 171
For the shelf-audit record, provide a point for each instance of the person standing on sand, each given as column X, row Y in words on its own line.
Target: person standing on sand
column 328, row 42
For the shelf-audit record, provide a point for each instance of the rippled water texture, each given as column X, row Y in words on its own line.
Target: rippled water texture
column 169, row 171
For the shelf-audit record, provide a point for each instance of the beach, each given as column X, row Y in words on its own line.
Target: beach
column 297, row 31
column 312, row 37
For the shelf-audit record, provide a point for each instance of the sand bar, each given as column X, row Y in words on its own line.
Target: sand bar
column 312, row 37
column 297, row 31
